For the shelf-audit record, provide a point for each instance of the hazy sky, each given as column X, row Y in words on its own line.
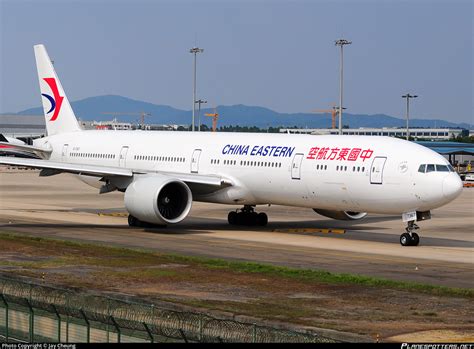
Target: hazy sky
column 277, row 54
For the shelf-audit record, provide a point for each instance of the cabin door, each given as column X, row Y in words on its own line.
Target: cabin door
column 376, row 170
column 195, row 161
column 296, row 166
column 64, row 153
column 123, row 156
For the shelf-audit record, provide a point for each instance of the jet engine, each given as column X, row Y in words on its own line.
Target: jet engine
column 158, row 199
column 341, row 215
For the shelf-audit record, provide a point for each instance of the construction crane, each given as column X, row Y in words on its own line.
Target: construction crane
column 214, row 116
column 142, row 116
column 333, row 112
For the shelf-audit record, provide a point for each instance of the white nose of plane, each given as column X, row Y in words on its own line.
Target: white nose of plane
column 452, row 186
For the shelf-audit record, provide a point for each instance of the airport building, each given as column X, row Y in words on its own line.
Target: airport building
column 439, row 134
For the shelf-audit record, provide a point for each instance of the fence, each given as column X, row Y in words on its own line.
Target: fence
column 35, row 313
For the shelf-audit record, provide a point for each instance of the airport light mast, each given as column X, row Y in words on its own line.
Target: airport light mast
column 341, row 42
column 195, row 51
column 199, row 102
column 408, row 96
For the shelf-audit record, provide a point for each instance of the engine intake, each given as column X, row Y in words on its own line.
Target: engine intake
column 158, row 199
column 341, row 215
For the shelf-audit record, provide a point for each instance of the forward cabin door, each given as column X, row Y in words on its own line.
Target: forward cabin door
column 64, row 153
column 123, row 156
column 376, row 170
column 195, row 160
column 296, row 166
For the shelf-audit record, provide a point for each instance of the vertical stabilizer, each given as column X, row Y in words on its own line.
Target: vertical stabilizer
column 58, row 113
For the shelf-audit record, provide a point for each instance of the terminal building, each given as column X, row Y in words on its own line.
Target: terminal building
column 437, row 134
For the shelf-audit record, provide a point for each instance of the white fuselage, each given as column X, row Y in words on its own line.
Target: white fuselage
column 296, row 170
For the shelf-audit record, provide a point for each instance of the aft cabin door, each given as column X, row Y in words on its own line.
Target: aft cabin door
column 296, row 166
column 64, row 153
column 195, row 161
column 123, row 156
column 376, row 170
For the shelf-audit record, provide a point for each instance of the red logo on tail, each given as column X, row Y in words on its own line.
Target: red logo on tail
column 56, row 101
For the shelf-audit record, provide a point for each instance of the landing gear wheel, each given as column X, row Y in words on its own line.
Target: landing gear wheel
column 132, row 221
column 415, row 239
column 262, row 219
column 405, row 239
column 247, row 216
column 233, row 218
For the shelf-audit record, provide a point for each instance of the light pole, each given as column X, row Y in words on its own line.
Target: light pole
column 408, row 96
column 341, row 42
column 195, row 51
column 199, row 102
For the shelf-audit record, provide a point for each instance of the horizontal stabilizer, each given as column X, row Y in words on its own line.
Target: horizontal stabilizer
column 25, row 148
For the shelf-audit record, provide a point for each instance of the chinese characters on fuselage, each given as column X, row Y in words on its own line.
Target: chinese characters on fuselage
column 339, row 154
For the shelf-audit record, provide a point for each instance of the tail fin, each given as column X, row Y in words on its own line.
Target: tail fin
column 57, row 111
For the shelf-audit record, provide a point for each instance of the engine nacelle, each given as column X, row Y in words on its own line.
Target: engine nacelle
column 158, row 199
column 341, row 215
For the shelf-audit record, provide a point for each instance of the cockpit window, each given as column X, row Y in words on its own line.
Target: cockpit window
column 442, row 168
column 435, row 168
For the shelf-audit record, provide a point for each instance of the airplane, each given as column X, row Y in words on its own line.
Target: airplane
column 162, row 172
column 10, row 145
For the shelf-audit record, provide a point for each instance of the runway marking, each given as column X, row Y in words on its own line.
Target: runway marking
column 311, row 230
column 112, row 214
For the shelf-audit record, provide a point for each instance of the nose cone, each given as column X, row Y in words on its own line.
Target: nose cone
column 452, row 186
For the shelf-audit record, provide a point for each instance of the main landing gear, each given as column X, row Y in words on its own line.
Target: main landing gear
column 247, row 216
column 410, row 238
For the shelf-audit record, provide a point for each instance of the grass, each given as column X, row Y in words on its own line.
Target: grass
column 80, row 253
column 311, row 275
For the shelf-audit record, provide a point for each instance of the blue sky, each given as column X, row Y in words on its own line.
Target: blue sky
column 277, row 54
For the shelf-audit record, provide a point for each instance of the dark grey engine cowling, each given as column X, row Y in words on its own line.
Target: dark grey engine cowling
column 158, row 199
column 341, row 215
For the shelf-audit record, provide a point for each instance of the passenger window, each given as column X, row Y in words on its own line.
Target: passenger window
column 430, row 168
column 442, row 168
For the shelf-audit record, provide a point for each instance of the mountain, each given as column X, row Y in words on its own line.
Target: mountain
column 92, row 108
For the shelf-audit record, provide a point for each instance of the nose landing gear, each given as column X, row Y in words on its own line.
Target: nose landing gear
column 410, row 238
column 247, row 216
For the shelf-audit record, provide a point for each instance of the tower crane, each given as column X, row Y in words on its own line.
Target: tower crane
column 333, row 112
column 214, row 116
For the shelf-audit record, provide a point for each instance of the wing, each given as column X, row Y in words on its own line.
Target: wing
column 196, row 181
column 58, row 167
